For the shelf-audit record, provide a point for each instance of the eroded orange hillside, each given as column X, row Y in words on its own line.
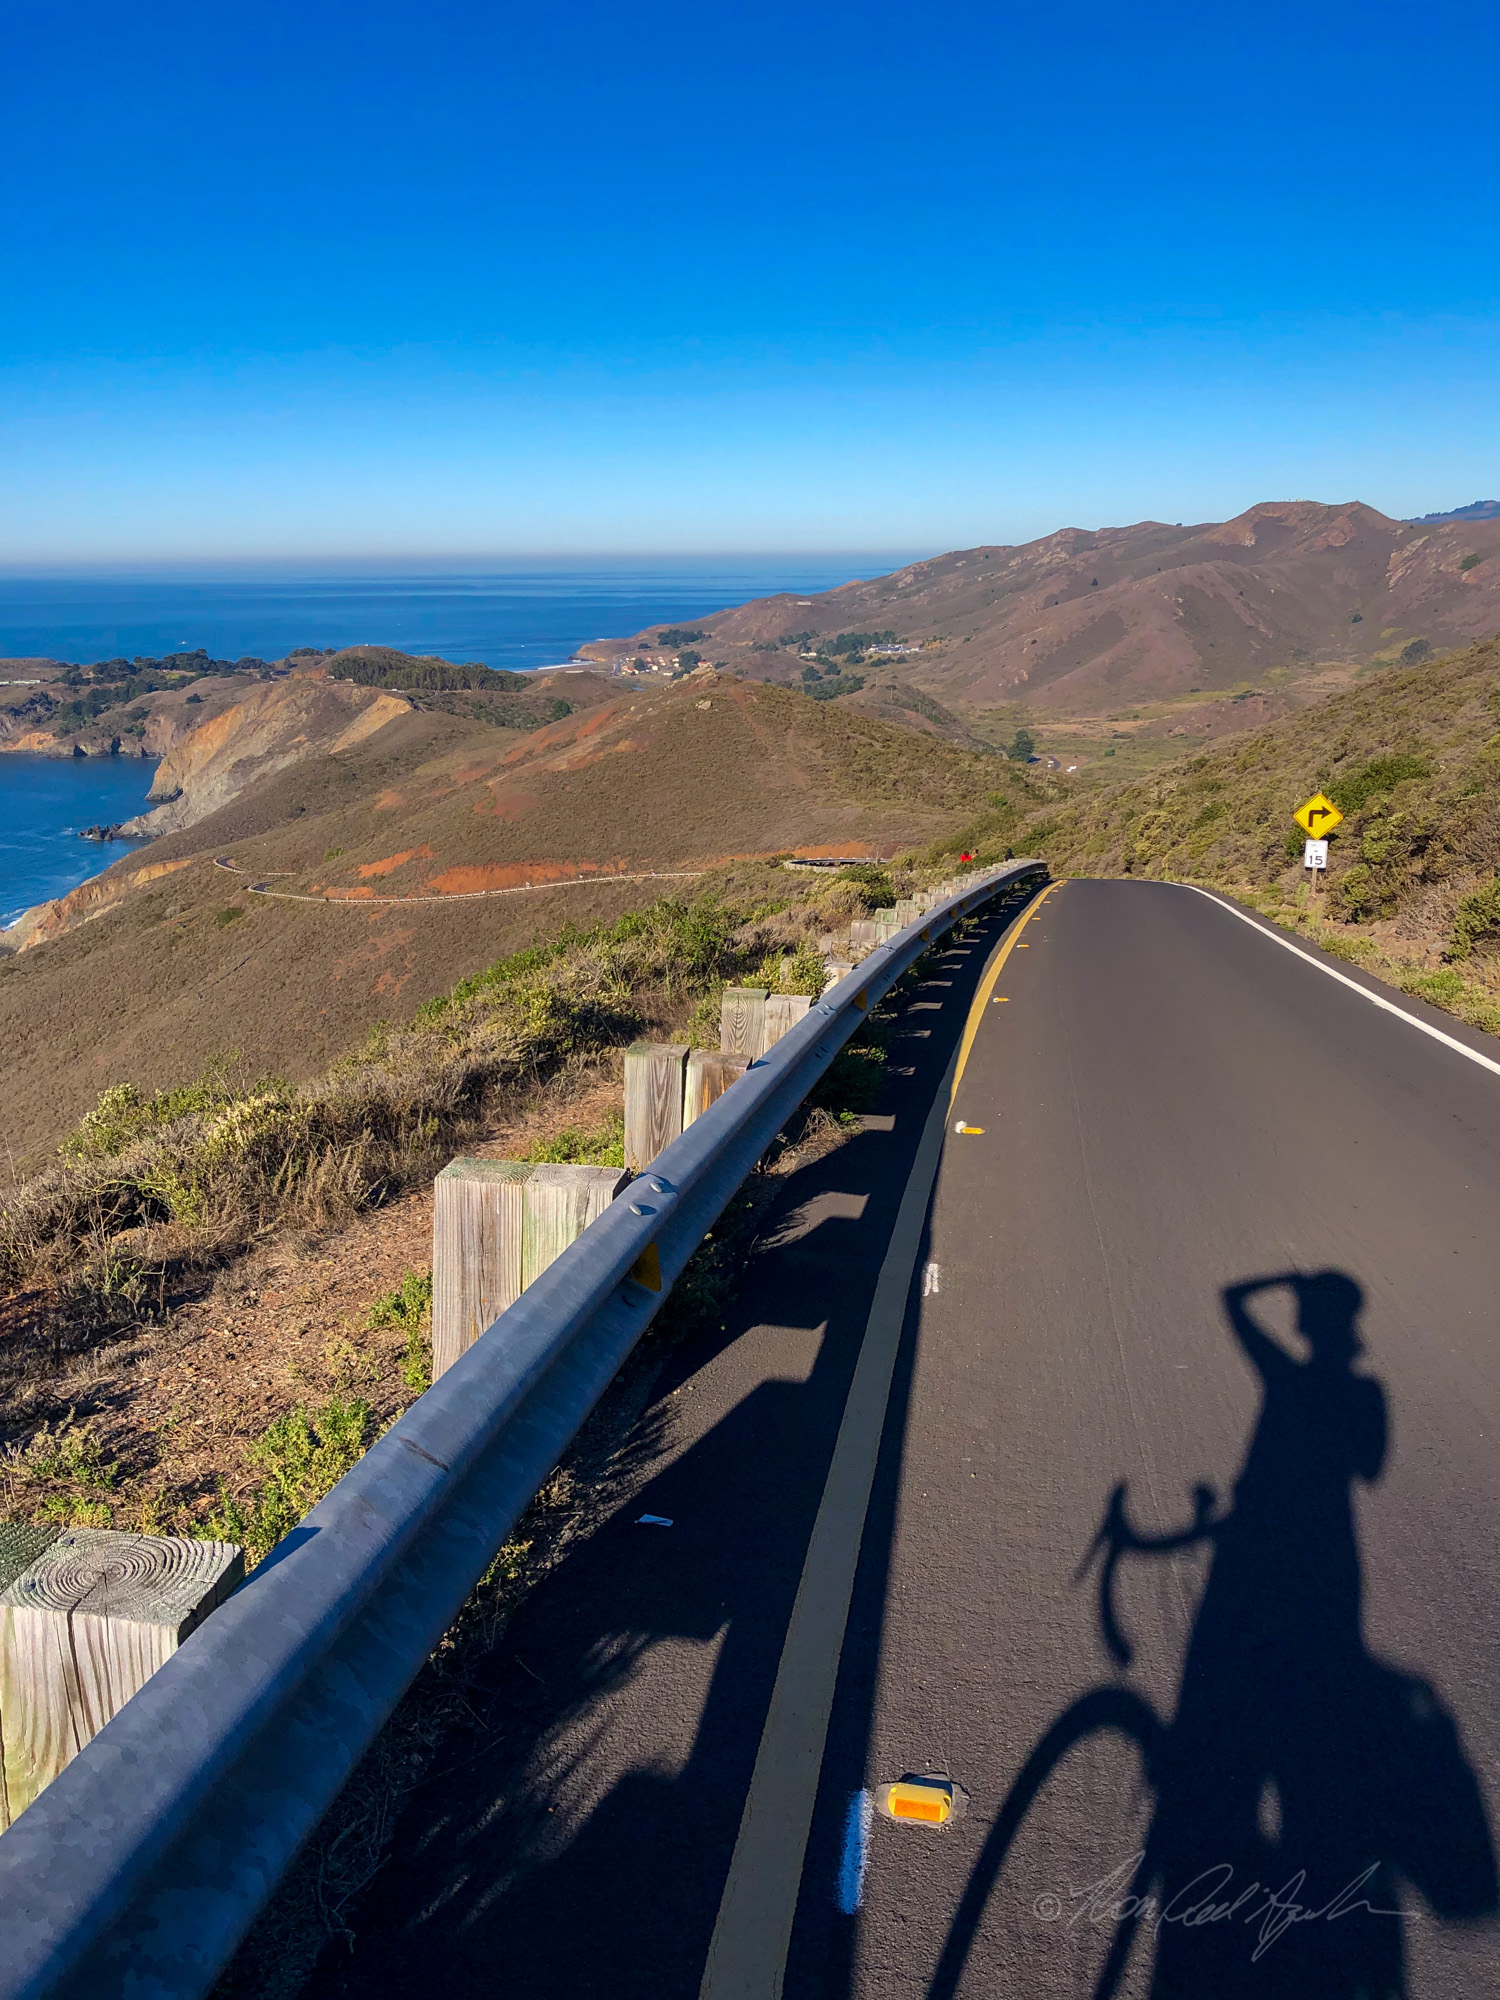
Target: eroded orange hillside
column 356, row 882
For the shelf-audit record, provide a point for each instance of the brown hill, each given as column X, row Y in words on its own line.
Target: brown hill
column 271, row 725
column 1082, row 622
column 358, row 882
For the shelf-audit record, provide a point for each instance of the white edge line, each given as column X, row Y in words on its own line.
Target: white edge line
column 856, row 1854
column 1375, row 999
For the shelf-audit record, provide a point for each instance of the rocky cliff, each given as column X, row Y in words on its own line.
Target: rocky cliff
column 272, row 726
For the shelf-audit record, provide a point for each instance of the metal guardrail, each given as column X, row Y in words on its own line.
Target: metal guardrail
column 145, row 1862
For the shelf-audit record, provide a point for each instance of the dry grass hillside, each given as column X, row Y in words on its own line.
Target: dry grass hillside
column 400, row 864
column 1098, row 624
column 1413, row 761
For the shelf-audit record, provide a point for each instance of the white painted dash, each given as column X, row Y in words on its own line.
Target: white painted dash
column 856, row 1854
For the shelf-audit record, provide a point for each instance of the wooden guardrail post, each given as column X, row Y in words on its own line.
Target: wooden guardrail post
column 742, row 1021
column 709, row 1074
column 561, row 1202
column 835, row 969
column 84, row 1624
column 478, row 1219
column 783, row 1012
column 865, row 932
column 654, row 1075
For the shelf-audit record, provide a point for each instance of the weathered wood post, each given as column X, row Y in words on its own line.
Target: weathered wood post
column 709, row 1074
column 654, row 1075
column 783, row 1012
column 742, row 1021
column 835, row 969
column 84, row 1624
column 478, row 1219
column 560, row 1203
column 865, row 932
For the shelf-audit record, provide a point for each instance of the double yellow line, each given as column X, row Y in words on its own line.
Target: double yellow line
column 986, row 988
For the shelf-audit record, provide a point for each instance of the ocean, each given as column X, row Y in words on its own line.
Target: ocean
column 44, row 802
column 523, row 617
column 514, row 617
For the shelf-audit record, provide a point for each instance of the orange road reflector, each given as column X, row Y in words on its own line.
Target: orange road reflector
column 926, row 1800
column 1001, row 1000
column 970, row 1131
column 646, row 1270
column 859, row 1001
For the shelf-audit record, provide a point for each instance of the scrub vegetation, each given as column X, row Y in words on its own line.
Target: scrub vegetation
column 1412, row 760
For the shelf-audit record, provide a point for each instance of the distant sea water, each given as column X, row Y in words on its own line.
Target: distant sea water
column 522, row 617
column 506, row 617
column 45, row 802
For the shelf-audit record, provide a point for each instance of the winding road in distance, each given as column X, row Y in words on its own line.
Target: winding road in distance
column 940, row 1506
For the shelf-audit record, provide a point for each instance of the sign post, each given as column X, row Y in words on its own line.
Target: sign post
column 1317, row 817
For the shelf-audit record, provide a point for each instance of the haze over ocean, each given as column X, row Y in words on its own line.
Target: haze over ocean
column 513, row 615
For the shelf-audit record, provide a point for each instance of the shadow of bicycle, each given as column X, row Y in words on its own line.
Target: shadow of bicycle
column 1301, row 1780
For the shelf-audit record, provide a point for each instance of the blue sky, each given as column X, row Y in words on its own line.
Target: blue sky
column 315, row 279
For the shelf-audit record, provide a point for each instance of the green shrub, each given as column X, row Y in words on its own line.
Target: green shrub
column 873, row 883
column 1358, row 892
column 301, row 1456
column 1383, row 775
column 1476, row 920
column 604, row 1147
column 1442, row 988
column 70, row 1510
column 72, row 1451
column 408, row 1306
column 1470, row 561
column 123, row 1115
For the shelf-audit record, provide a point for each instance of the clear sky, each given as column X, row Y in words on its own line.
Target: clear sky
column 297, row 277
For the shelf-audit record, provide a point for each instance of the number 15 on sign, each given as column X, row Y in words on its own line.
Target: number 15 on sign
column 1315, row 854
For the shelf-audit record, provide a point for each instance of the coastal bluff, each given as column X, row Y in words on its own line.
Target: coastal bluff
column 276, row 724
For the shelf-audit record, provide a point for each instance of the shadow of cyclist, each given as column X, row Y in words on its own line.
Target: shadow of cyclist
column 1301, row 1779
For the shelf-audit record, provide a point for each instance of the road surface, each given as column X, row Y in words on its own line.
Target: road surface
column 1264, row 1757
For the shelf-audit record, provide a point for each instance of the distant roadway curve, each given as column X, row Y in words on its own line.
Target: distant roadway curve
column 461, row 896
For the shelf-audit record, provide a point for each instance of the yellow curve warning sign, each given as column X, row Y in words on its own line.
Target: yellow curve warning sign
column 1317, row 817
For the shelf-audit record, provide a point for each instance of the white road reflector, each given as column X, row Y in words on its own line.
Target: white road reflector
column 932, row 1278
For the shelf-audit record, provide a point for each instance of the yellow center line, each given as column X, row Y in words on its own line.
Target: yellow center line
column 987, row 987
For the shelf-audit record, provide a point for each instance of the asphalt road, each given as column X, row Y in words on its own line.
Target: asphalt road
column 1265, row 1759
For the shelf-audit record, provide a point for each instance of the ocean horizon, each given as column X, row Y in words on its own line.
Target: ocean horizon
column 512, row 615
column 524, row 618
